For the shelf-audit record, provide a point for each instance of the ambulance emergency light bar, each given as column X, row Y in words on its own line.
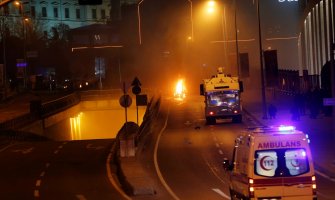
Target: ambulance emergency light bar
column 283, row 128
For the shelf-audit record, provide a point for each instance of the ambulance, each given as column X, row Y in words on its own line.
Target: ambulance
column 271, row 163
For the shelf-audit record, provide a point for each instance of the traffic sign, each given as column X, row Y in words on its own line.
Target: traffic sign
column 136, row 82
column 136, row 89
column 328, row 101
column 125, row 101
column 141, row 100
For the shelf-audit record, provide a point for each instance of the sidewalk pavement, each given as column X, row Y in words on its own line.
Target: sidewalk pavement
column 321, row 131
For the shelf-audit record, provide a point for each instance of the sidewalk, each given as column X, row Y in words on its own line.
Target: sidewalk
column 321, row 132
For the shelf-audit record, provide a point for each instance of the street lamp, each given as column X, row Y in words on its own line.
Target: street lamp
column 191, row 18
column 211, row 8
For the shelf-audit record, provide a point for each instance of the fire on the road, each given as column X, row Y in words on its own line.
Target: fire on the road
column 180, row 90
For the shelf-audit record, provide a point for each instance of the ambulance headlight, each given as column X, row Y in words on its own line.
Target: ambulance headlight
column 283, row 128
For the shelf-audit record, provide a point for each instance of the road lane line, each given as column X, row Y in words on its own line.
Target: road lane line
column 111, row 178
column 324, row 175
column 42, row 174
column 213, row 170
column 80, row 197
column 220, row 152
column 56, row 152
column 217, row 145
column 159, row 174
column 6, row 147
column 60, row 147
column 47, row 165
column 36, row 193
column 38, row 183
column 221, row 193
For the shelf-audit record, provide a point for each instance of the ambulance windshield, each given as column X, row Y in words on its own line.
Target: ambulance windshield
column 281, row 162
column 228, row 98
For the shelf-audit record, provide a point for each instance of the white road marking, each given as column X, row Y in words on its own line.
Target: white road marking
column 215, row 139
column 38, row 183
column 187, row 123
column 217, row 145
column 56, row 152
column 111, row 178
column 159, row 174
column 24, row 151
column 36, row 193
column 90, row 146
column 60, row 147
column 213, row 170
column 6, row 147
column 221, row 193
column 220, row 152
column 324, row 176
column 42, row 174
column 47, row 165
column 80, row 197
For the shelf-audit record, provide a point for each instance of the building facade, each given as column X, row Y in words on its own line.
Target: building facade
column 317, row 38
column 50, row 13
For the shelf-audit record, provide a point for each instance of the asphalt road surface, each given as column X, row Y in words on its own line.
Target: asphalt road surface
column 56, row 170
column 190, row 153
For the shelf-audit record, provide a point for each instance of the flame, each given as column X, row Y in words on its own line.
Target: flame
column 180, row 89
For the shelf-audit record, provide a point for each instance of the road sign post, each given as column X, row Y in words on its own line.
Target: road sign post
column 136, row 90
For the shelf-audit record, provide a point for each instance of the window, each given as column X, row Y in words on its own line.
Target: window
column 229, row 99
column 33, row 11
column 67, row 13
column 94, row 13
column 281, row 162
column 103, row 14
column 55, row 12
column 78, row 13
column 44, row 12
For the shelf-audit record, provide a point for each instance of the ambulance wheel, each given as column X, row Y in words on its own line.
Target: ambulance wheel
column 232, row 195
column 210, row 120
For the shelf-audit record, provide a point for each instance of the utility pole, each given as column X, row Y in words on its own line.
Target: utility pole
column 261, row 63
column 3, row 37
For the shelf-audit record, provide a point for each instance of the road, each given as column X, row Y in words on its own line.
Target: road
column 190, row 153
column 188, row 165
column 56, row 170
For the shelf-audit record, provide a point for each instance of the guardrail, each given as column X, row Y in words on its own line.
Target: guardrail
column 52, row 107
column 19, row 122
column 40, row 110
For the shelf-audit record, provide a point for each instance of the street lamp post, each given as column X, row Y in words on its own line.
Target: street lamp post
column 139, row 21
column 24, row 20
column 236, row 41
column 3, row 37
column 264, row 109
column 191, row 18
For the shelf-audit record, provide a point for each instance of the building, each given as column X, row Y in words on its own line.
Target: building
column 317, row 39
column 50, row 13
